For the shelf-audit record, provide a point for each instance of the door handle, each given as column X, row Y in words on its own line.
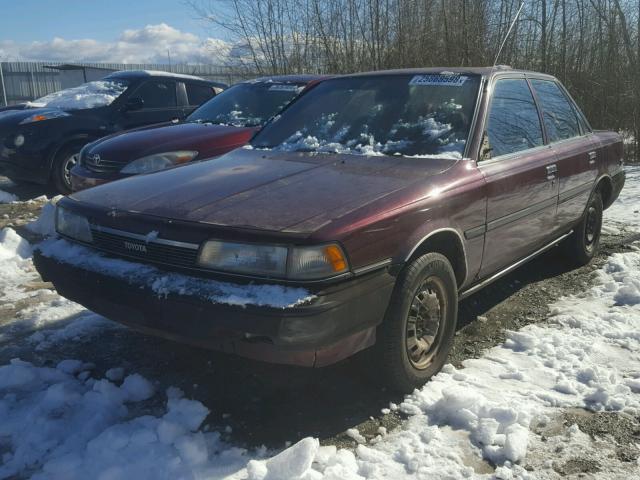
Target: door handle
column 552, row 170
column 592, row 157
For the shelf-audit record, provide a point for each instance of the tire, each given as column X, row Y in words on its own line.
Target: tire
column 583, row 243
column 416, row 335
column 63, row 162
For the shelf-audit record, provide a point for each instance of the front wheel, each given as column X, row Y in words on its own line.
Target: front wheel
column 415, row 338
column 65, row 160
column 583, row 243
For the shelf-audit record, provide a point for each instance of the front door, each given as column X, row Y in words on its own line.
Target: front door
column 575, row 147
column 521, row 177
column 159, row 104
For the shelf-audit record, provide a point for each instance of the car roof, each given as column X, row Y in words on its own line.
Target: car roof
column 137, row 74
column 305, row 78
column 483, row 71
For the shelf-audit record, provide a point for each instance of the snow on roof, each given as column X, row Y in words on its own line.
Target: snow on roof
column 154, row 73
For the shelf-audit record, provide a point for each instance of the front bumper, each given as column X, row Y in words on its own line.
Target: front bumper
column 83, row 178
column 21, row 164
column 339, row 322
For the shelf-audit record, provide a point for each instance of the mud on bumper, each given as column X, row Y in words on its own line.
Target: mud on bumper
column 339, row 322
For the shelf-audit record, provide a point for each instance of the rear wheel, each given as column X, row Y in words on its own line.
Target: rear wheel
column 415, row 338
column 583, row 243
column 67, row 158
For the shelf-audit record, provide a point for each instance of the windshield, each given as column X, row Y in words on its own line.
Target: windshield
column 247, row 104
column 410, row 115
column 88, row 95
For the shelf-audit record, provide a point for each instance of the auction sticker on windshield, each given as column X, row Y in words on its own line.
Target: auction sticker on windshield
column 283, row 88
column 439, row 80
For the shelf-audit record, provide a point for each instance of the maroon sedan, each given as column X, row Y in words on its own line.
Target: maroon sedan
column 225, row 122
column 355, row 221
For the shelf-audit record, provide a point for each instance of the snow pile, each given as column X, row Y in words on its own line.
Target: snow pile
column 45, row 224
column 44, row 308
column 6, row 197
column 63, row 423
column 163, row 283
column 624, row 215
column 15, row 256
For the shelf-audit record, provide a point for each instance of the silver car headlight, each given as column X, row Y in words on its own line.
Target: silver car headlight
column 293, row 263
column 158, row 161
column 73, row 225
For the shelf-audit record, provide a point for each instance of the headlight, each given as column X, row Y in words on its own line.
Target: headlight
column 39, row 117
column 295, row 263
column 73, row 225
column 158, row 161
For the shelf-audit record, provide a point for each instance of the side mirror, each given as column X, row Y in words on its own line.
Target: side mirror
column 134, row 103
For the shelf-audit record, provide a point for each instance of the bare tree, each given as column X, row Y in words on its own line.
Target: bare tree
column 592, row 45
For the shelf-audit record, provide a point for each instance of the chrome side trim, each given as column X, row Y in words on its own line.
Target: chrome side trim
column 512, row 267
column 574, row 192
column 475, row 232
column 143, row 238
column 372, row 267
column 520, row 214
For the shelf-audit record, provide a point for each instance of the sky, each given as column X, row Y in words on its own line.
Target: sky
column 121, row 31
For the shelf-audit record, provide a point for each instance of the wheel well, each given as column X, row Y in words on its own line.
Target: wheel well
column 82, row 140
column 449, row 244
column 605, row 187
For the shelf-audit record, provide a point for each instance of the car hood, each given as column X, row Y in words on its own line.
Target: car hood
column 13, row 117
column 267, row 190
column 204, row 138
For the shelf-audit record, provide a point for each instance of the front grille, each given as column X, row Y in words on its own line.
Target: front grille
column 96, row 163
column 135, row 246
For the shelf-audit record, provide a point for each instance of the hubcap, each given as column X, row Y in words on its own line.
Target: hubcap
column 424, row 322
column 591, row 227
column 69, row 163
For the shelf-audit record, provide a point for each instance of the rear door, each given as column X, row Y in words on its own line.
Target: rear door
column 574, row 145
column 160, row 104
column 520, row 173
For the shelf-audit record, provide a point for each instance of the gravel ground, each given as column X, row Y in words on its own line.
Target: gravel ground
column 269, row 405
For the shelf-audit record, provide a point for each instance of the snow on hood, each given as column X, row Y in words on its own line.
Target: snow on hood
column 163, row 283
column 89, row 95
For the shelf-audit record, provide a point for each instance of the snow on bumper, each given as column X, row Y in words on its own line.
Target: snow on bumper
column 274, row 323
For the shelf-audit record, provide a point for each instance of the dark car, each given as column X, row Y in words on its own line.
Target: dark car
column 355, row 221
column 40, row 141
column 223, row 123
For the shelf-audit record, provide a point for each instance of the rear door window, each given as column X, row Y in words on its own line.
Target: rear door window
column 560, row 118
column 198, row 94
column 513, row 123
column 157, row 94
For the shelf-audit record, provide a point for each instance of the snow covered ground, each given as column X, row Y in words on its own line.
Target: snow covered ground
column 67, row 421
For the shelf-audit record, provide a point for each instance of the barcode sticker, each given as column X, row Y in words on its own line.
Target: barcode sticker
column 439, row 80
column 281, row 87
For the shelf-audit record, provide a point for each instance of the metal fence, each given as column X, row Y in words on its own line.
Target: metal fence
column 24, row 81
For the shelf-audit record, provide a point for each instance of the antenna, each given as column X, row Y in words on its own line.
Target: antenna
column 495, row 62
